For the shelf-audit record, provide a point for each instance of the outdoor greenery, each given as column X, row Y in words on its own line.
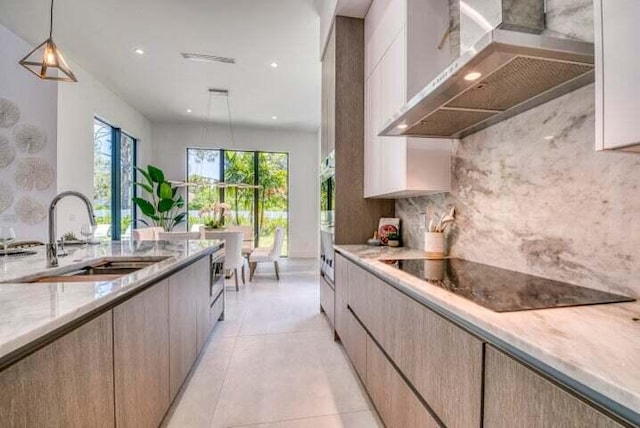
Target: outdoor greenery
column 164, row 206
column 271, row 195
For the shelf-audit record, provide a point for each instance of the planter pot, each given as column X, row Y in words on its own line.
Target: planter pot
column 434, row 245
column 393, row 243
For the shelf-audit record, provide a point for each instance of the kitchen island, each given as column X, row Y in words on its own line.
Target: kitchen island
column 459, row 364
column 104, row 351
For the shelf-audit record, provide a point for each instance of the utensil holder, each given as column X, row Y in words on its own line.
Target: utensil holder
column 434, row 245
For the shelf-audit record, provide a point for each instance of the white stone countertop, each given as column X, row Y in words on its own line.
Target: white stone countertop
column 29, row 312
column 593, row 349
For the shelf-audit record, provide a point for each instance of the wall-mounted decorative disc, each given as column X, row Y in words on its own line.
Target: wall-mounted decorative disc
column 29, row 138
column 9, row 113
column 7, row 151
column 6, row 196
column 33, row 173
column 30, row 211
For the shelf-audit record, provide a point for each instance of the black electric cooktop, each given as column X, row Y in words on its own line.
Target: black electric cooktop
column 502, row 290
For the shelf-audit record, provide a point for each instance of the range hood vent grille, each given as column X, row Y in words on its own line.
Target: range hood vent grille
column 519, row 71
column 517, row 81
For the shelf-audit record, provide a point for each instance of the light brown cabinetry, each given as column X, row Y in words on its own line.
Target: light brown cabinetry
column 141, row 358
column 68, row 383
column 182, row 327
column 420, row 342
column 517, row 396
column 396, row 403
column 201, row 279
column 355, row 343
column 341, row 276
column 327, row 300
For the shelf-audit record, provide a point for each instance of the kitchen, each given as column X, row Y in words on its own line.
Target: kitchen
column 492, row 141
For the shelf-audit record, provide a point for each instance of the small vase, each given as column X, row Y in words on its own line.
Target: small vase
column 393, row 243
column 434, row 245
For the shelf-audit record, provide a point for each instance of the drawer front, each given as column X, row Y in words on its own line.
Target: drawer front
column 216, row 310
column 509, row 388
column 442, row 362
column 355, row 343
column 341, row 291
column 396, row 403
column 327, row 299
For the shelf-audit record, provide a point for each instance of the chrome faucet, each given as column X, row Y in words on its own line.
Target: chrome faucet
column 52, row 246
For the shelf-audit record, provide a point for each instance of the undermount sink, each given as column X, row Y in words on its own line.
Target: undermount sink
column 104, row 270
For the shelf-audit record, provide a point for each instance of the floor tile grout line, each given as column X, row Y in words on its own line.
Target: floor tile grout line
column 303, row 418
column 224, row 380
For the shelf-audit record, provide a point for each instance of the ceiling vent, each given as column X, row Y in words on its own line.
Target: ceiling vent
column 207, row 58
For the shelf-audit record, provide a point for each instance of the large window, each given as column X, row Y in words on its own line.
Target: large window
column 256, row 187
column 114, row 175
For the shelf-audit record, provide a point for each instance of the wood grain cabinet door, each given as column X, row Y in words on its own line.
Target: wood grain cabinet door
column 182, row 328
column 341, row 290
column 517, row 396
column 442, row 361
column 68, row 383
column 141, row 358
column 201, row 279
column 396, row 403
column 355, row 344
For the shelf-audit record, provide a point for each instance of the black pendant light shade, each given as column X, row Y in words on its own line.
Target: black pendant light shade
column 46, row 60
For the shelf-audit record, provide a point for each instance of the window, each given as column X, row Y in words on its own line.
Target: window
column 113, row 180
column 264, row 205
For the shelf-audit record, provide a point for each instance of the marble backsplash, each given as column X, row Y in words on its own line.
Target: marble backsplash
column 533, row 195
column 550, row 207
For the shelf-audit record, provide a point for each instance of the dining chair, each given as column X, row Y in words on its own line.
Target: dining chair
column 247, row 241
column 233, row 259
column 178, row 236
column 267, row 254
column 146, row 233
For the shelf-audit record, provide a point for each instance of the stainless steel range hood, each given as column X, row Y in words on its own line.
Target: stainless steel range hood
column 505, row 73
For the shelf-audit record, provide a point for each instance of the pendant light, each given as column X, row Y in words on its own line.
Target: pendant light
column 46, row 61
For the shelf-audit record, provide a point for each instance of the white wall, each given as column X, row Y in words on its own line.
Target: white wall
column 36, row 100
column 171, row 140
column 78, row 104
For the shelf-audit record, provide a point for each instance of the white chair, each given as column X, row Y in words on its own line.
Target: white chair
column 233, row 259
column 102, row 231
column 146, row 233
column 178, row 236
column 247, row 241
column 267, row 254
column 196, row 227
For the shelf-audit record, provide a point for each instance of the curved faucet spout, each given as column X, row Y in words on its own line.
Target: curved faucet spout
column 52, row 246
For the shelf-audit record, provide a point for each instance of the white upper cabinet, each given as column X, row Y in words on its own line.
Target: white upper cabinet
column 617, row 71
column 401, row 57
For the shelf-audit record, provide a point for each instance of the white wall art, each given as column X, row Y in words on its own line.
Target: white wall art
column 33, row 174
column 9, row 113
column 7, row 195
column 7, row 152
column 30, row 211
column 29, row 138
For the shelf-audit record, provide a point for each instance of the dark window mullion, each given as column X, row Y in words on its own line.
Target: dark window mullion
column 116, row 182
column 256, row 199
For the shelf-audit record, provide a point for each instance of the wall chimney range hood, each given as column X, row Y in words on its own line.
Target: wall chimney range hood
column 507, row 70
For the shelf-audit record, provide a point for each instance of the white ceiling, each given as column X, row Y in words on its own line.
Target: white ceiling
column 102, row 35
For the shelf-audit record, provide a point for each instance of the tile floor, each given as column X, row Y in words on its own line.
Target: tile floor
column 273, row 363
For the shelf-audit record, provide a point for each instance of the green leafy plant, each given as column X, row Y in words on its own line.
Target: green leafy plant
column 393, row 237
column 164, row 205
column 70, row 236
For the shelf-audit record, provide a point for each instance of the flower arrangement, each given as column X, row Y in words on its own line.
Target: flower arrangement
column 214, row 215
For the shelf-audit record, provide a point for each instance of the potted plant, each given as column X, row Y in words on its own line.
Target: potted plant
column 214, row 216
column 163, row 206
column 393, row 240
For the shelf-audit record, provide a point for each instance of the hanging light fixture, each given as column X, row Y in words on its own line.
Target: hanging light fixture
column 46, row 61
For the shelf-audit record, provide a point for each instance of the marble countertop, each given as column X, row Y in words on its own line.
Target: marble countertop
column 593, row 349
column 29, row 312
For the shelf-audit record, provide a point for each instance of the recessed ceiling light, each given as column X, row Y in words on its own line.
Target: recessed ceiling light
column 474, row 75
column 188, row 110
column 549, row 137
column 402, row 126
column 274, row 117
column 274, row 64
column 139, row 51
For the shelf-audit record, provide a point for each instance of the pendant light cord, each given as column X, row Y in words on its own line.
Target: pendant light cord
column 231, row 130
column 51, row 21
